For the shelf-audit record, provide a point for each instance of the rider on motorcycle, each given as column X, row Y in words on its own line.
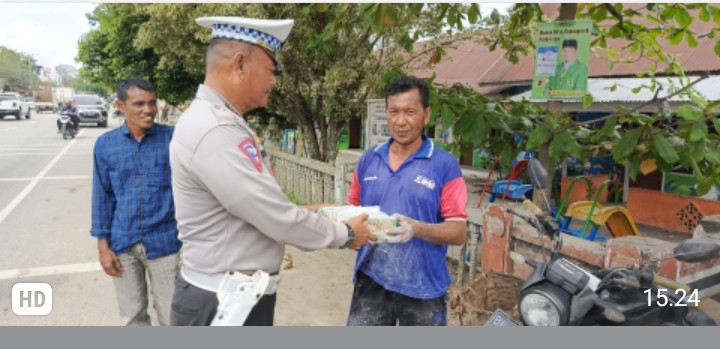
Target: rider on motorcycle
column 73, row 112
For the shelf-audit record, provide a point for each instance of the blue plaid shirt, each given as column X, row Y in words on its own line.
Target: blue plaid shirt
column 132, row 192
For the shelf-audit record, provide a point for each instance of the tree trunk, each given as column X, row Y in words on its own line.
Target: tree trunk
column 555, row 108
column 164, row 113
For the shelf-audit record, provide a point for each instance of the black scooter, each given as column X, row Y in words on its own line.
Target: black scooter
column 561, row 293
column 67, row 126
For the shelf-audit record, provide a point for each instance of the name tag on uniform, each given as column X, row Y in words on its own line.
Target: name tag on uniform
column 248, row 148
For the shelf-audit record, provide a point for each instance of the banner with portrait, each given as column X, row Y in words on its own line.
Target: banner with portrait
column 561, row 60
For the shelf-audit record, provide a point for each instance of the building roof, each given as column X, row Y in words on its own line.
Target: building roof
column 472, row 64
column 601, row 89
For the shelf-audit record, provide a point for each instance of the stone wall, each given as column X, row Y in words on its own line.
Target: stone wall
column 502, row 233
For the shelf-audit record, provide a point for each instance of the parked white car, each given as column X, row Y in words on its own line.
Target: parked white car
column 12, row 104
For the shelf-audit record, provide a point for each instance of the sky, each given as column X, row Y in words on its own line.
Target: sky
column 50, row 31
column 47, row 31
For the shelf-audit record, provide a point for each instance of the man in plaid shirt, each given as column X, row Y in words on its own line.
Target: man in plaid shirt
column 133, row 216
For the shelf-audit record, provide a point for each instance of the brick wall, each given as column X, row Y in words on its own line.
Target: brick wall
column 503, row 233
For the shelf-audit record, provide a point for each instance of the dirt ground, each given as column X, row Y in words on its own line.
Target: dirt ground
column 316, row 291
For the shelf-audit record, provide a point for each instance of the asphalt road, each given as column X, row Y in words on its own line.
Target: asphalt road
column 45, row 193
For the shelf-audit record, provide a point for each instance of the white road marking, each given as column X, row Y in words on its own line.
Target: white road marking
column 19, row 198
column 49, row 270
column 43, row 154
column 42, row 179
column 28, row 145
column 25, row 154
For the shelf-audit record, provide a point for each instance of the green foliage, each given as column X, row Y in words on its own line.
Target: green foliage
column 294, row 199
column 111, row 52
column 340, row 54
column 626, row 145
column 664, row 149
column 16, row 70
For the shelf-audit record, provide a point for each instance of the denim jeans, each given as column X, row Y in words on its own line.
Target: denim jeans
column 132, row 287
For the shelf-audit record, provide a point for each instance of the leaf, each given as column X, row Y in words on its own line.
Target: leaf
column 608, row 128
column 690, row 112
column 322, row 7
column 676, row 36
column 459, row 103
column 587, row 101
column 698, row 131
column 463, row 124
column 537, row 137
column 447, row 112
column 473, row 13
column 390, row 16
column 627, row 144
column 717, row 48
column 705, row 14
column 633, row 167
column 648, row 166
column 378, row 19
column 664, row 149
column 713, row 108
column 479, row 132
column 564, row 143
column 704, row 185
column 698, row 150
column 690, row 38
column 716, row 122
column 683, row 18
column 713, row 156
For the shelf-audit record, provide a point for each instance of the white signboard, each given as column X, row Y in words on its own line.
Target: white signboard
column 546, row 61
column 376, row 127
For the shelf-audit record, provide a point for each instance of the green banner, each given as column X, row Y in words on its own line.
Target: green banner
column 561, row 60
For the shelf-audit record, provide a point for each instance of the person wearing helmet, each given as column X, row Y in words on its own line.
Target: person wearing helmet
column 69, row 109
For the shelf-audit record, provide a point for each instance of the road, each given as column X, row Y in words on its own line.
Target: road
column 45, row 187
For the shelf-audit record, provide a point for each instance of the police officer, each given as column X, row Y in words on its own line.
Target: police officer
column 233, row 218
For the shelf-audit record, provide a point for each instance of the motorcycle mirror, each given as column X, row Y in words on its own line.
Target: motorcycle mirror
column 696, row 250
column 538, row 175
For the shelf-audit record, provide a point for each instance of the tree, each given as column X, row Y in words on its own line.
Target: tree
column 16, row 70
column 327, row 76
column 644, row 143
column 109, row 54
column 66, row 75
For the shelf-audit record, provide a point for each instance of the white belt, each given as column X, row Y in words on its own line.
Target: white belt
column 229, row 280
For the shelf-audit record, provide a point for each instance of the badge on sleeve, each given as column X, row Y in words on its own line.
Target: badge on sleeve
column 249, row 150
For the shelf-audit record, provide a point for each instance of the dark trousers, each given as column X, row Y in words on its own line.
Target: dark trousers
column 373, row 305
column 192, row 306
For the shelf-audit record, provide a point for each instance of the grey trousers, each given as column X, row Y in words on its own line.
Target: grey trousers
column 132, row 287
column 192, row 306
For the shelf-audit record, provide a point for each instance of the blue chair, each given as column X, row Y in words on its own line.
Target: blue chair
column 511, row 190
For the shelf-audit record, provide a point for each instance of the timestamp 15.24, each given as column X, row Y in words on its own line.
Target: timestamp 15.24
column 676, row 298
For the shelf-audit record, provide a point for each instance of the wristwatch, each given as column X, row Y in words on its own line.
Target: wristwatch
column 351, row 237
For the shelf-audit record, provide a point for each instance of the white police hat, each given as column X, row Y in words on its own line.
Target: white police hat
column 266, row 33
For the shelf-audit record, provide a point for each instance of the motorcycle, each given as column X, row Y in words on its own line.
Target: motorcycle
column 561, row 293
column 67, row 126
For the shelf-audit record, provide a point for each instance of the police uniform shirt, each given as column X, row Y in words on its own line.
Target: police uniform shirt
column 231, row 213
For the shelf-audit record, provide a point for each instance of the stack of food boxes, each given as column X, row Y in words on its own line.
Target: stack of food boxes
column 381, row 224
